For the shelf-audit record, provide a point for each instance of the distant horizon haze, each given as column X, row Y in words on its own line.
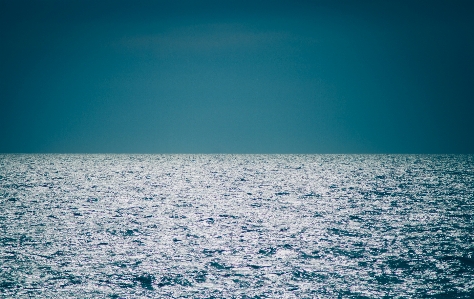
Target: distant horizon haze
column 237, row 77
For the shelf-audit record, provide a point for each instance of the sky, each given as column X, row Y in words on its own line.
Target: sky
column 303, row 77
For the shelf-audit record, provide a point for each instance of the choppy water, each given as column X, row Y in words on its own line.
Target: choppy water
column 236, row 226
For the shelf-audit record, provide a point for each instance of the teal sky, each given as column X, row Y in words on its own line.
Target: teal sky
column 236, row 76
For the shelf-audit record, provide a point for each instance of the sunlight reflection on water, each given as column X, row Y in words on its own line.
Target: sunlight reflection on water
column 236, row 226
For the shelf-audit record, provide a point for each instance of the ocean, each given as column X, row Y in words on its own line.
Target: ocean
column 236, row 226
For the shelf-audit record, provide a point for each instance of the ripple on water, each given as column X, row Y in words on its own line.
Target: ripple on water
column 236, row 226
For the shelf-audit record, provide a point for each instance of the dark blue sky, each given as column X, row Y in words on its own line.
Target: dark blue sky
column 237, row 76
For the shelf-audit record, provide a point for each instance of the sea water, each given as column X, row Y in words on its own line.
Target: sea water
column 236, row 226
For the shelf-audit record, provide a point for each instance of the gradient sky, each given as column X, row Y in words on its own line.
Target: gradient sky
column 236, row 76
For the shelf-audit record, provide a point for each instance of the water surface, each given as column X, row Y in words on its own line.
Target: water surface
column 236, row 226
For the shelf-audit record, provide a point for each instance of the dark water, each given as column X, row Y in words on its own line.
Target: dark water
column 236, row 226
